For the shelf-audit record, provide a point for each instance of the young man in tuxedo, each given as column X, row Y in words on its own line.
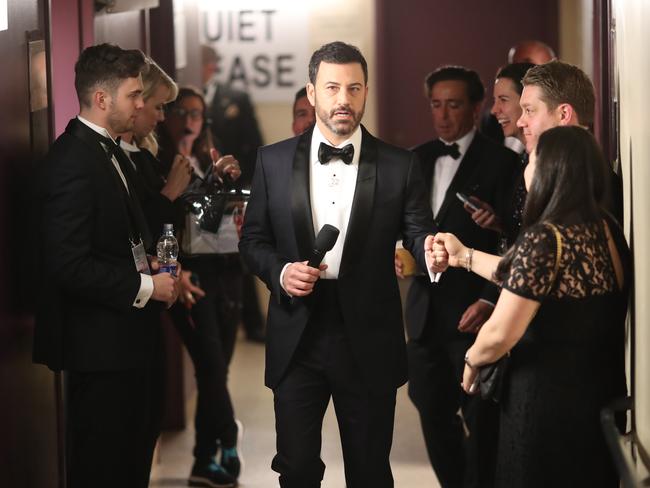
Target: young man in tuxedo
column 335, row 331
column 442, row 319
column 97, row 317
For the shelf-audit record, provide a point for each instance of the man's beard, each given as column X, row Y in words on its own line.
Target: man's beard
column 340, row 128
column 117, row 121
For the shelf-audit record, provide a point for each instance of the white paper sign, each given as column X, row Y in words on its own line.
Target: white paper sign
column 263, row 46
column 4, row 21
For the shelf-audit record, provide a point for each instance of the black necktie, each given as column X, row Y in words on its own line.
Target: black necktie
column 327, row 152
column 443, row 149
column 135, row 209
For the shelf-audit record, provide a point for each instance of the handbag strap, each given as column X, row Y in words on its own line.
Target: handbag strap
column 558, row 252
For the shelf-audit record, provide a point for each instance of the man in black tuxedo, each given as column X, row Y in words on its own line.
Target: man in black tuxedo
column 232, row 120
column 442, row 319
column 97, row 314
column 335, row 331
column 232, row 117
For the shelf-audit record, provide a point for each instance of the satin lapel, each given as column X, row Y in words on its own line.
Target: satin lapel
column 303, row 222
column 362, row 204
column 88, row 136
column 428, row 165
column 465, row 170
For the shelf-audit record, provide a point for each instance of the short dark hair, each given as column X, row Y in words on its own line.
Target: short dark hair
column 209, row 54
column 570, row 185
column 475, row 88
column 564, row 83
column 515, row 72
column 105, row 65
column 299, row 94
column 336, row 53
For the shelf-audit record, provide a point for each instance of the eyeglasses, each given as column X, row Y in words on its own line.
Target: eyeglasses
column 194, row 114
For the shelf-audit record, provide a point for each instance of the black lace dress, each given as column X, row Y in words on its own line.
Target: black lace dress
column 569, row 363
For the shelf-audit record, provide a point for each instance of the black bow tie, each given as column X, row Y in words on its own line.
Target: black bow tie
column 443, row 149
column 327, row 152
column 112, row 146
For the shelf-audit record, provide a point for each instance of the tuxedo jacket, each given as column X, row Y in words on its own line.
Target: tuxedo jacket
column 85, row 318
column 486, row 171
column 233, row 123
column 389, row 199
column 157, row 208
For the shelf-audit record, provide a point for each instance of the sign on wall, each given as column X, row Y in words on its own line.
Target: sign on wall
column 4, row 20
column 263, row 46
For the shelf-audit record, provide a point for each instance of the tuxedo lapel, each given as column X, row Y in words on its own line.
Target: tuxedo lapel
column 428, row 165
column 303, row 222
column 362, row 204
column 465, row 170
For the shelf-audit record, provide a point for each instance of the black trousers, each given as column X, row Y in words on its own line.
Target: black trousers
column 435, row 372
column 113, row 419
column 323, row 367
column 209, row 331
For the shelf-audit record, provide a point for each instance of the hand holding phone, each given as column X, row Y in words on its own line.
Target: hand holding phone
column 465, row 199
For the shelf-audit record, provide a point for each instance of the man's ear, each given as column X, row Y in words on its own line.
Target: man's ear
column 310, row 94
column 101, row 99
column 566, row 114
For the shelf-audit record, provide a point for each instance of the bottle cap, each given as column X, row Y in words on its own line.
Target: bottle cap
column 168, row 228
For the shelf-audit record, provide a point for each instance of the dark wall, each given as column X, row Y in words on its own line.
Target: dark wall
column 28, row 445
column 416, row 36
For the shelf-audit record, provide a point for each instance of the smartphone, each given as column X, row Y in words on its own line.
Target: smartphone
column 465, row 199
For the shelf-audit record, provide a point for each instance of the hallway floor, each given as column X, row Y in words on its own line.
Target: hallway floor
column 254, row 407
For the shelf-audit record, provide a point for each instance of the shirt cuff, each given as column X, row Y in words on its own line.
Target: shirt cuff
column 486, row 301
column 145, row 292
column 282, row 280
column 433, row 277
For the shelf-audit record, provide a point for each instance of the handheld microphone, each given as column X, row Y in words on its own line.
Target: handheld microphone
column 325, row 241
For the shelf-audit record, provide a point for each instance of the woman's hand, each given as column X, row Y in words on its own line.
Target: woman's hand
column 178, row 178
column 188, row 291
column 435, row 255
column 450, row 244
column 225, row 165
column 470, row 380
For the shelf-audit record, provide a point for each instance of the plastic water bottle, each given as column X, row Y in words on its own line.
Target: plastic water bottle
column 167, row 250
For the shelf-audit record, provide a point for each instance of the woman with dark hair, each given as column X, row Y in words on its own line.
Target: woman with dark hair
column 208, row 328
column 561, row 315
column 507, row 111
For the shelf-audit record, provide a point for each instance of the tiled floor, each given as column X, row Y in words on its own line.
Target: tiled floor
column 254, row 406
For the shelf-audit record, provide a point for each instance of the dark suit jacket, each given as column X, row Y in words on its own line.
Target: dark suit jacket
column 389, row 200
column 233, row 123
column 486, row 171
column 85, row 320
column 157, row 208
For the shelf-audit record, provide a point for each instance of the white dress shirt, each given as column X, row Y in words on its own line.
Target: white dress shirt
column 146, row 281
column 445, row 170
column 331, row 188
column 515, row 144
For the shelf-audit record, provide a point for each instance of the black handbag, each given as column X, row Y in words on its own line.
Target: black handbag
column 213, row 218
column 492, row 377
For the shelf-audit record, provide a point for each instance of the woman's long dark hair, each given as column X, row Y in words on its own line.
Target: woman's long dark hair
column 203, row 143
column 570, row 184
